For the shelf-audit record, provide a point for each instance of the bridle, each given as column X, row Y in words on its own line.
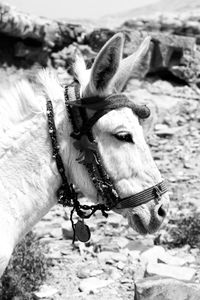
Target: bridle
column 77, row 109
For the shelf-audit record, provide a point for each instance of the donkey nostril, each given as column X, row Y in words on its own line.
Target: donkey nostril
column 162, row 212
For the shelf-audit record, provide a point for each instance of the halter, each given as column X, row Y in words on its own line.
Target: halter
column 77, row 109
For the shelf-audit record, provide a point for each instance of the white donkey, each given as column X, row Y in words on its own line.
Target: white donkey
column 29, row 177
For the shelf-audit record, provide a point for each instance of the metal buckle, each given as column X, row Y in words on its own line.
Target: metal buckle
column 158, row 193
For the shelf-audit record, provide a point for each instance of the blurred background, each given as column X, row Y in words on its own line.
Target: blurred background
column 77, row 9
column 117, row 263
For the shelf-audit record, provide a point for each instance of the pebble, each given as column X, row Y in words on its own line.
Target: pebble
column 96, row 272
column 115, row 220
column 134, row 254
column 83, row 273
column 120, row 265
column 112, row 247
column 152, row 255
column 119, row 257
column 93, row 283
column 56, row 233
column 104, row 256
column 45, row 292
column 111, row 257
column 179, row 273
column 122, row 242
column 67, row 230
column 138, row 270
column 158, row 254
column 115, row 274
column 139, row 245
column 87, row 271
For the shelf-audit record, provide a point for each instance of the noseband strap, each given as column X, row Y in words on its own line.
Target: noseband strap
column 153, row 193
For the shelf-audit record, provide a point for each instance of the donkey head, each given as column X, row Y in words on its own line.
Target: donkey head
column 119, row 134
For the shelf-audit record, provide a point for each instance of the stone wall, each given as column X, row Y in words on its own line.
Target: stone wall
column 27, row 40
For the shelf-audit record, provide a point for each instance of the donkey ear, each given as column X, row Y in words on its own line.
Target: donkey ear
column 128, row 64
column 149, row 123
column 106, row 65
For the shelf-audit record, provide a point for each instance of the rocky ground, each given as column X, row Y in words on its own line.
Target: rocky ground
column 118, row 263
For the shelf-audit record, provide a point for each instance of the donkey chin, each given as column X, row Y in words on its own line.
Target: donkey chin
column 147, row 218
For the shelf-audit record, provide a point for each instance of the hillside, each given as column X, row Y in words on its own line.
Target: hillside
column 160, row 7
column 177, row 6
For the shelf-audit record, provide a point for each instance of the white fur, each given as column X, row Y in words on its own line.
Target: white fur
column 29, row 177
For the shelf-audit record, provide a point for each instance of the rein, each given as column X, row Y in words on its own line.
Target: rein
column 82, row 124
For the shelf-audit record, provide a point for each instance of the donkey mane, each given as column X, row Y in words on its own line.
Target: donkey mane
column 18, row 104
column 22, row 101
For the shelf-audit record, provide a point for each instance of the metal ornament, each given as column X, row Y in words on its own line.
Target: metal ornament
column 82, row 231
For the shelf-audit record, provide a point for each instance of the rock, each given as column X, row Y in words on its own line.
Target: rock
column 46, row 31
column 19, row 24
column 119, row 257
column 122, row 242
column 83, row 273
column 183, row 255
column 167, row 23
column 92, row 284
column 134, row 254
column 169, row 54
column 165, row 131
column 163, row 237
column 115, row 274
column 138, row 270
column 115, row 220
column 56, row 233
column 88, row 271
column 180, row 273
column 46, row 230
column 152, row 255
column 67, row 230
column 120, row 265
column 158, row 254
column 97, row 38
column 110, row 257
column 45, row 292
column 166, row 289
column 112, row 247
column 31, row 54
column 140, row 245
column 173, row 56
column 95, row 272
column 105, row 257
column 32, row 38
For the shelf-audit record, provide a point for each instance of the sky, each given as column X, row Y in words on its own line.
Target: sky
column 76, row 8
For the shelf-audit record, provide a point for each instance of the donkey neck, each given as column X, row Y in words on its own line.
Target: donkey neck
column 28, row 175
column 28, row 172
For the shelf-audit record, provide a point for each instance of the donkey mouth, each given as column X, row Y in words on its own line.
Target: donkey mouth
column 137, row 225
column 144, row 225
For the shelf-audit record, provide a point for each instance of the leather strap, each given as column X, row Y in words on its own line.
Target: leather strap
column 153, row 193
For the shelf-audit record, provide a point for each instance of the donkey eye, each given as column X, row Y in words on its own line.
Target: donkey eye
column 124, row 137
